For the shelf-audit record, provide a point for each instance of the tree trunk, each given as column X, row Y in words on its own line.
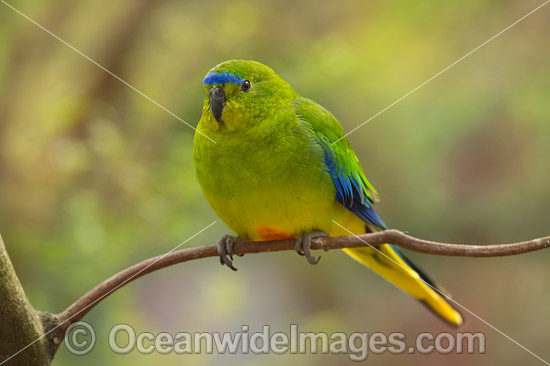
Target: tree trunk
column 21, row 328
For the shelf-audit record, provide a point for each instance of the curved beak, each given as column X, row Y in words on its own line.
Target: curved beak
column 217, row 101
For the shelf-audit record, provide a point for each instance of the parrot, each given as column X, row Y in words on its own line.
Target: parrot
column 275, row 165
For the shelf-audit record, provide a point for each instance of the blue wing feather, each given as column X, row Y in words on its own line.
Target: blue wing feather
column 353, row 190
column 350, row 191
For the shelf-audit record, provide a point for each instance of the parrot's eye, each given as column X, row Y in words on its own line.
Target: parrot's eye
column 245, row 86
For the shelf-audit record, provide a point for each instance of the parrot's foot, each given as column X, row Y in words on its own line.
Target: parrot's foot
column 303, row 244
column 225, row 250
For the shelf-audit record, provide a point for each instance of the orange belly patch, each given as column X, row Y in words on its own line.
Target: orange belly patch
column 270, row 233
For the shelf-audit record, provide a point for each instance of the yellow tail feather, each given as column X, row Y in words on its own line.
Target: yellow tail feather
column 390, row 265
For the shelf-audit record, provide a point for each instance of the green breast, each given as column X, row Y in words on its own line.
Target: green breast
column 262, row 178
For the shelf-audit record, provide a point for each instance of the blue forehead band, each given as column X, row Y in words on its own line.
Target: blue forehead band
column 225, row 77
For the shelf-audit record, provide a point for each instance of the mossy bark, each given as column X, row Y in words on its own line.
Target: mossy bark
column 21, row 327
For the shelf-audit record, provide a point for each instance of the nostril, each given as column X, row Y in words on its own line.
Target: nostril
column 216, row 92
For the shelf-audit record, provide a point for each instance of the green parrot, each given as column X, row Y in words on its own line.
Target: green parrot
column 280, row 168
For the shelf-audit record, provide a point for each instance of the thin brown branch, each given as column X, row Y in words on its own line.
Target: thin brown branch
column 82, row 306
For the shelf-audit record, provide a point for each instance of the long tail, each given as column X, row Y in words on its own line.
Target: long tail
column 391, row 264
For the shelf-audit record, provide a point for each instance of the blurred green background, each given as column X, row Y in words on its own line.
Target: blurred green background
column 94, row 177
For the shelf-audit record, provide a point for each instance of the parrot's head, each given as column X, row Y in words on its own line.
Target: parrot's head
column 240, row 94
